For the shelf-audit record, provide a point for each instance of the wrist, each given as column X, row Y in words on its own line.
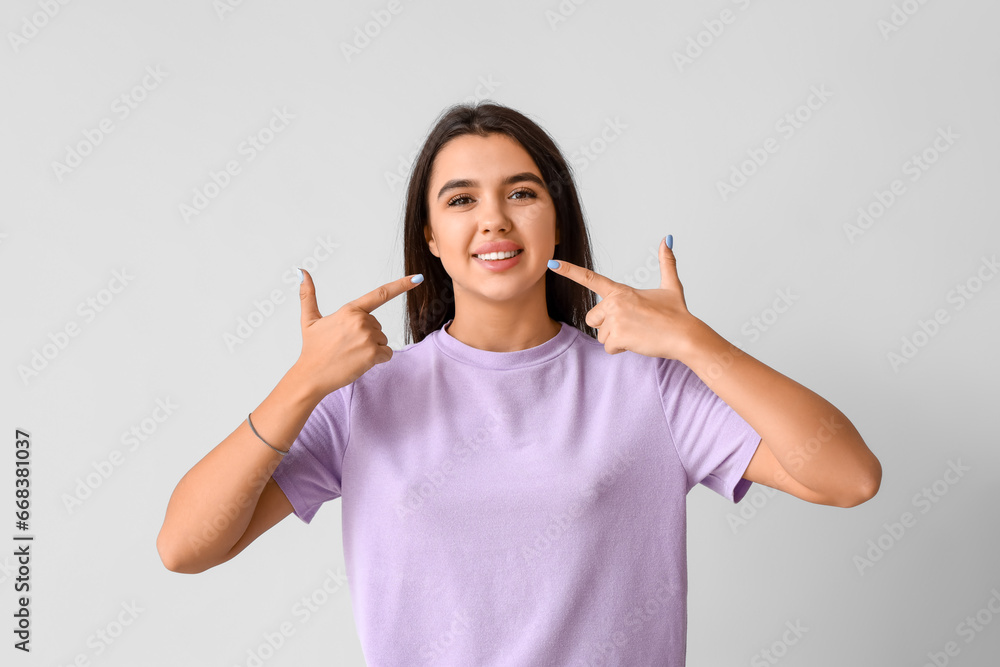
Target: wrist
column 701, row 342
column 299, row 384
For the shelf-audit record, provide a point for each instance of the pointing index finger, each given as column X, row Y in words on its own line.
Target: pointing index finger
column 381, row 295
column 590, row 279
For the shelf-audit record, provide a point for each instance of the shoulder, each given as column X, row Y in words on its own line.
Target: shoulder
column 403, row 361
column 592, row 352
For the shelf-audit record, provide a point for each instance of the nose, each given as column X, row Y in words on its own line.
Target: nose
column 492, row 216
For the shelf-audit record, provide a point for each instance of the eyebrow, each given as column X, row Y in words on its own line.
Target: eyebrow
column 510, row 180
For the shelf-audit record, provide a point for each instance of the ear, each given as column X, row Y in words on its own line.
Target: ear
column 431, row 243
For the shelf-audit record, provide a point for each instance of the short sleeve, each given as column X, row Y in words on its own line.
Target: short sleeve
column 713, row 442
column 310, row 473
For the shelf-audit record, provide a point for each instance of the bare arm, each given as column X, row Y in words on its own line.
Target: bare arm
column 209, row 512
column 808, row 448
column 228, row 499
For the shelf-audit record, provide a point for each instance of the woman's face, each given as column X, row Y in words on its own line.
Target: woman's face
column 486, row 189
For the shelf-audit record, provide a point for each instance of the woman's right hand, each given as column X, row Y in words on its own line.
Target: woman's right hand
column 341, row 347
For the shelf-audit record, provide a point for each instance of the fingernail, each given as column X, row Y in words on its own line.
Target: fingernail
column 301, row 275
column 419, row 278
column 553, row 264
column 670, row 241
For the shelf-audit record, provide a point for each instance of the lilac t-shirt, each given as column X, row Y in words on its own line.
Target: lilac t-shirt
column 518, row 508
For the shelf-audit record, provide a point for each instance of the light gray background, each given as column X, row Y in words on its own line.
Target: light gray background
column 324, row 176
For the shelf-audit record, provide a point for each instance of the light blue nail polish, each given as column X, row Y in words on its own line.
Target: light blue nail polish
column 670, row 241
column 419, row 278
column 301, row 275
column 553, row 264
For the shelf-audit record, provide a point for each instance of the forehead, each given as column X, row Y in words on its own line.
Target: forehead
column 481, row 158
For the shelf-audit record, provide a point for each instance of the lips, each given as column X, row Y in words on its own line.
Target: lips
column 483, row 255
column 497, row 265
column 496, row 246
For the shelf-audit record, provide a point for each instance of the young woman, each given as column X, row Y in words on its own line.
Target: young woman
column 513, row 481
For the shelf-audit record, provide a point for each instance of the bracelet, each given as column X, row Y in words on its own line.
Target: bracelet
column 280, row 451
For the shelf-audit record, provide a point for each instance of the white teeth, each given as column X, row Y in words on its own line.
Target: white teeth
column 491, row 256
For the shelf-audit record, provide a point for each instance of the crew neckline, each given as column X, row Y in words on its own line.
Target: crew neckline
column 473, row 356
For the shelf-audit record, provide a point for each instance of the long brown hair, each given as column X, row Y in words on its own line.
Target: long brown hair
column 432, row 304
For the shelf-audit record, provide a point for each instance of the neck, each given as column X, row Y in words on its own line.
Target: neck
column 502, row 332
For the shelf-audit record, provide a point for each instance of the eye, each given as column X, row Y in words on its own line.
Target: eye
column 458, row 198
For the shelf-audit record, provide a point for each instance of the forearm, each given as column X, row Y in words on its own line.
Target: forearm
column 813, row 441
column 213, row 503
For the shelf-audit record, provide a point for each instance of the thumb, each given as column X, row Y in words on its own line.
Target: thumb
column 668, row 265
column 307, row 294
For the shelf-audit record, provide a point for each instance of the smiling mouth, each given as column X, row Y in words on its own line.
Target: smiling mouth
column 493, row 256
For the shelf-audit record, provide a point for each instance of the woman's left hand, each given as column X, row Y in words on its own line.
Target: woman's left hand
column 652, row 322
